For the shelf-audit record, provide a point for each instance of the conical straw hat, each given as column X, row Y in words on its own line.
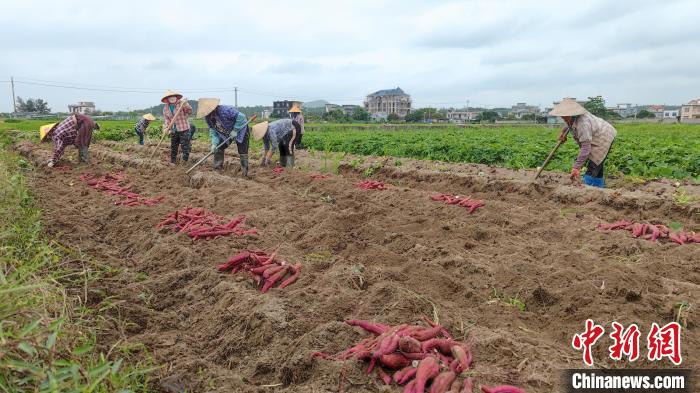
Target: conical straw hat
column 295, row 109
column 259, row 130
column 170, row 93
column 567, row 107
column 149, row 117
column 206, row 105
column 44, row 130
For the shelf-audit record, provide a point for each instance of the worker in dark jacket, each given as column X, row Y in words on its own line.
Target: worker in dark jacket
column 142, row 125
column 280, row 134
column 73, row 130
column 296, row 115
column 222, row 121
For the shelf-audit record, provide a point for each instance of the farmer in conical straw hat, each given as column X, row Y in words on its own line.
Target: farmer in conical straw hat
column 142, row 125
column 222, row 121
column 295, row 114
column 594, row 136
column 73, row 130
column 279, row 134
column 180, row 130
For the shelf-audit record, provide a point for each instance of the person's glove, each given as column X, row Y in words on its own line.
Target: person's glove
column 50, row 164
column 575, row 174
column 265, row 161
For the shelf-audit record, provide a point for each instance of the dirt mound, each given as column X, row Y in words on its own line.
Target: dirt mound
column 519, row 277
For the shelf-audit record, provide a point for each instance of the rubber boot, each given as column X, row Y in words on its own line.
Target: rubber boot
column 84, row 155
column 283, row 161
column 290, row 161
column 594, row 181
column 244, row 164
column 219, row 159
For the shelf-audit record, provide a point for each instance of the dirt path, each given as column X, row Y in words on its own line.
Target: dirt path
column 536, row 243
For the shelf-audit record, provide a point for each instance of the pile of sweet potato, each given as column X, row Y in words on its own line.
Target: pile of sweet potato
column 652, row 232
column 371, row 185
column 199, row 223
column 111, row 184
column 420, row 357
column 471, row 204
column 265, row 269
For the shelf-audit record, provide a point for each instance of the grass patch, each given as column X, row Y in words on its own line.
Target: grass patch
column 48, row 329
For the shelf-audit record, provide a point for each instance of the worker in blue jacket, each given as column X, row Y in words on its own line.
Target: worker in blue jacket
column 222, row 121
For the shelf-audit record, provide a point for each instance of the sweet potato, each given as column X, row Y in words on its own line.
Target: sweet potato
column 273, row 270
column 394, row 361
column 501, row 389
column 409, row 344
column 411, row 388
column 426, row 334
column 296, row 271
column 272, row 280
column 443, row 382
column 403, row 375
column 427, row 369
column 443, row 345
column 462, row 359
column 374, row 328
column 384, row 376
column 468, row 386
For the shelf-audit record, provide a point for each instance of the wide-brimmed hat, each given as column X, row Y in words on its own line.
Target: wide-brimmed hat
column 170, row 93
column 206, row 106
column 44, row 130
column 259, row 130
column 567, row 107
column 295, row 109
column 149, row 117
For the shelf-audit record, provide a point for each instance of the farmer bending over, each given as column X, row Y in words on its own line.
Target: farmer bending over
column 73, row 130
column 278, row 134
column 142, row 125
column 180, row 129
column 222, row 121
column 594, row 136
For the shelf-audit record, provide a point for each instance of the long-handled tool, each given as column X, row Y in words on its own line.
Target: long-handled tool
column 551, row 154
column 221, row 144
column 170, row 125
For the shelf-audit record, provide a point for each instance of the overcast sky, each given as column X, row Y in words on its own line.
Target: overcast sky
column 443, row 53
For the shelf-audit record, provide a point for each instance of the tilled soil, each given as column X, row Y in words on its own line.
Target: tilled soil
column 390, row 256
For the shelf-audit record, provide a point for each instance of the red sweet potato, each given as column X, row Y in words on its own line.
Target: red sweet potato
column 443, row 345
column 394, row 361
column 443, row 382
column 296, row 271
column 468, row 386
column 428, row 369
column 501, row 389
column 409, row 344
column 272, row 280
column 404, row 374
column 411, row 388
column 426, row 334
column 384, row 376
column 374, row 328
column 273, row 270
column 462, row 359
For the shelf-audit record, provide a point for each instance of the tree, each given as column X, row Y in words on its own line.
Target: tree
column 336, row 116
column 489, row 116
column 645, row 114
column 360, row 114
column 42, row 106
column 529, row 116
column 392, row 117
column 596, row 105
column 32, row 105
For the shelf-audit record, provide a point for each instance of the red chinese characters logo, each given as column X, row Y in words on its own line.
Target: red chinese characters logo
column 625, row 342
column 665, row 342
column 662, row 342
column 587, row 339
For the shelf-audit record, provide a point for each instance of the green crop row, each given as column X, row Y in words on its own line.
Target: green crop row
column 643, row 150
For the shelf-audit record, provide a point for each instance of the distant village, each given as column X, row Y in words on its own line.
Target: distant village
column 396, row 105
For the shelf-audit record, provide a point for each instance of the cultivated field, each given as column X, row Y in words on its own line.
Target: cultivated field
column 515, row 279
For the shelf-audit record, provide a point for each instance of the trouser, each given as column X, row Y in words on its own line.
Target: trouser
column 84, row 154
column 297, row 143
column 242, row 148
column 180, row 138
column 595, row 175
column 140, row 134
column 193, row 129
column 286, row 147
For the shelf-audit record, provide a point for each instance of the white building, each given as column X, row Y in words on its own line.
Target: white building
column 383, row 103
column 82, row 107
column 456, row 116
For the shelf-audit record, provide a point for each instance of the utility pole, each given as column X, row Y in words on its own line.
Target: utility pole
column 14, row 103
column 235, row 92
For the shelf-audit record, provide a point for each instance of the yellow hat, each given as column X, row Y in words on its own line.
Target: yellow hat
column 170, row 93
column 295, row 109
column 206, row 106
column 44, row 130
column 567, row 107
column 259, row 130
column 149, row 117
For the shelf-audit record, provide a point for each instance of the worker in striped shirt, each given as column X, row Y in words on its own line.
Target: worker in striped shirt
column 73, row 130
column 594, row 136
column 142, row 125
column 180, row 129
